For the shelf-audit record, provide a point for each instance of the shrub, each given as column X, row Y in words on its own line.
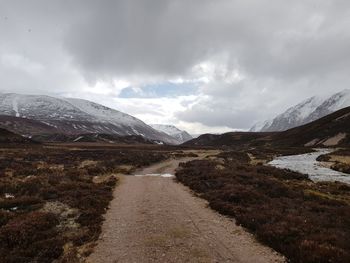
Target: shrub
column 35, row 234
column 305, row 221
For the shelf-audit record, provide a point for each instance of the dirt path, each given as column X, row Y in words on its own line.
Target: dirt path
column 155, row 219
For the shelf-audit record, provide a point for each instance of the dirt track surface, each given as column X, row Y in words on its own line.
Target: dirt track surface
column 156, row 219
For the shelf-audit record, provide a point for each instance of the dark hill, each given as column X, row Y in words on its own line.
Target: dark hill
column 7, row 137
column 25, row 126
column 101, row 138
column 231, row 139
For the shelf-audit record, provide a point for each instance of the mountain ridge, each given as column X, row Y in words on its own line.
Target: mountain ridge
column 75, row 116
column 332, row 130
column 305, row 112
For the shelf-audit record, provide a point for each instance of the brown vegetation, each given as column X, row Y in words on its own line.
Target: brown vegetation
column 52, row 200
column 12, row 140
column 306, row 221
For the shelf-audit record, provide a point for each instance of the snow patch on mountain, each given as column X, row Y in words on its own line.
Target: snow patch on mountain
column 15, row 106
column 103, row 113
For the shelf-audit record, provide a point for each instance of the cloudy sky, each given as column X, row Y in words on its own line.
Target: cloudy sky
column 203, row 65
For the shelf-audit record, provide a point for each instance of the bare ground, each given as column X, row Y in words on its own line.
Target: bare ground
column 155, row 219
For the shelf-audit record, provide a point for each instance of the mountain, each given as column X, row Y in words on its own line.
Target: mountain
column 307, row 111
column 332, row 130
column 72, row 116
column 181, row 136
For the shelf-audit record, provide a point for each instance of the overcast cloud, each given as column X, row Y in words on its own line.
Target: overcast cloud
column 242, row 61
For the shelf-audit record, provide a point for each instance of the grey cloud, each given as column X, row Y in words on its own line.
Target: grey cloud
column 169, row 37
column 286, row 50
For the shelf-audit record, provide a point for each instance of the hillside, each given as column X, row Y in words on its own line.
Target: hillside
column 329, row 131
column 71, row 116
column 26, row 127
column 231, row 139
column 7, row 137
column 101, row 138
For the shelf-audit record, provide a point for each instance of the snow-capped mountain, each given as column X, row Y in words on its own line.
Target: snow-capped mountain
column 305, row 112
column 76, row 116
column 294, row 116
column 181, row 136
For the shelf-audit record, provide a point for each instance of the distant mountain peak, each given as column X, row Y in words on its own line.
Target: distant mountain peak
column 171, row 130
column 260, row 125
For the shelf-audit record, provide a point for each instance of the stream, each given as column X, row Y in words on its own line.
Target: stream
column 307, row 164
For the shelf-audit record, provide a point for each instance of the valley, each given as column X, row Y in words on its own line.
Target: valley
column 104, row 197
column 174, row 131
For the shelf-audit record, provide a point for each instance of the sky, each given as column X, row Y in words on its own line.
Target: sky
column 202, row 65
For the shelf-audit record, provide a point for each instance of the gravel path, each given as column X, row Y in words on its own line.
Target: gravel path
column 155, row 219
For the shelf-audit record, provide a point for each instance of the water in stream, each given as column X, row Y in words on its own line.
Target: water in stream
column 307, row 164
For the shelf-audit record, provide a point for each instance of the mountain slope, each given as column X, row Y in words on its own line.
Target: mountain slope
column 306, row 111
column 294, row 116
column 101, row 138
column 231, row 139
column 332, row 130
column 76, row 116
column 260, row 126
column 337, row 101
column 181, row 136
column 26, row 127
